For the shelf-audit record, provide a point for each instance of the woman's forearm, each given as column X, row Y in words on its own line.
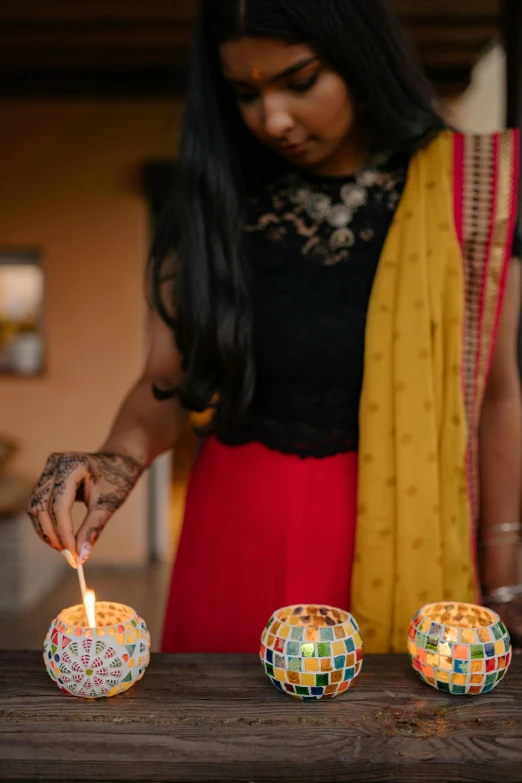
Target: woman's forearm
column 144, row 427
column 501, row 484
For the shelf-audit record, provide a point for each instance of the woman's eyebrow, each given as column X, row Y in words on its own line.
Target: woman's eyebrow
column 293, row 69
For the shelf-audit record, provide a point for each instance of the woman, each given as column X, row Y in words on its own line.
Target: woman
column 324, row 222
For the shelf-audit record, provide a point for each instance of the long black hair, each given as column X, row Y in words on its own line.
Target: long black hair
column 202, row 227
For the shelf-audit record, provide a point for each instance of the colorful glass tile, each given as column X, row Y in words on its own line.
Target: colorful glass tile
column 312, row 634
column 279, row 645
column 432, row 644
column 321, row 679
column 468, row 636
column 435, row 631
column 326, row 635
column 339, row 661
column 485, row 635
column 460, row 651
column 459, row 689
column 293, row 648
column 461, row 667
column 349, row 644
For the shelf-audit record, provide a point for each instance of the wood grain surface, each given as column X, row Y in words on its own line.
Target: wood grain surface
column 218, row 718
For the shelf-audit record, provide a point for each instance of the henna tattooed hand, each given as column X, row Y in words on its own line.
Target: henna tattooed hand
column 100, row 480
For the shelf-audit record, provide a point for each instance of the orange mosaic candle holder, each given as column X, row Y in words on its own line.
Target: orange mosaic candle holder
column 312, row 652
column 459, row 648
column 101, row 661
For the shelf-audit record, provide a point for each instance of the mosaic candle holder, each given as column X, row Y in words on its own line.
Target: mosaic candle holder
column 459, row 648
column 312, row 652
column 101, row 661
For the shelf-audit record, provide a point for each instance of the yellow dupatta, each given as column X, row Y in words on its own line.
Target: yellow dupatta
column 414, row 526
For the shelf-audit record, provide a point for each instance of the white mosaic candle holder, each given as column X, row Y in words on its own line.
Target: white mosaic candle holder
column 459, row 648
column 97, row 662
column 312, row 651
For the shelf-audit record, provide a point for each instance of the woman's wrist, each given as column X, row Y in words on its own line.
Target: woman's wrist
column 125, row 447
column 499, row 553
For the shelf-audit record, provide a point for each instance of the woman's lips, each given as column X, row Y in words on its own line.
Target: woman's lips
column 294, row 149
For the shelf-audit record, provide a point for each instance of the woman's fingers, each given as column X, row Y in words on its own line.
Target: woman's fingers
column 90, row 532
column 38, row 509
column 70, row 475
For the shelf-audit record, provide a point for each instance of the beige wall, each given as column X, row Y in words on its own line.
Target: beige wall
column 70, row 186
column 482, row 108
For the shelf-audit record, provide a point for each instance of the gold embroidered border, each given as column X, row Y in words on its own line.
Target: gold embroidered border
column 501, row 222
column 478, row 193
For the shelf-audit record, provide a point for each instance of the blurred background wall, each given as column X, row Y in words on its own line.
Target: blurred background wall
column 70, row 187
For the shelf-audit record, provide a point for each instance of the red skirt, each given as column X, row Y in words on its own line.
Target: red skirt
column 262, row 530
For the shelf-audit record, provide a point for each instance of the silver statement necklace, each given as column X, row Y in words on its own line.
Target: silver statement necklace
column 338, row 214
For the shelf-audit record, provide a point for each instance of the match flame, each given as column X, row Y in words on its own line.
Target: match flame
column 89, row 603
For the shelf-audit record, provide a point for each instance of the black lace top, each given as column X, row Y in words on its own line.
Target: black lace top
column 314, row 244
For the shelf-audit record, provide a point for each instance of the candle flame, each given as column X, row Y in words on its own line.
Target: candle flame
column 89, row 603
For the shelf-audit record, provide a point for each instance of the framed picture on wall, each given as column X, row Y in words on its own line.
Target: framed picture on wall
column 21, row 313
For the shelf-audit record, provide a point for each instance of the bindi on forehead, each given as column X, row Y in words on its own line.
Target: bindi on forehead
column 262, row 60
column 257, row 76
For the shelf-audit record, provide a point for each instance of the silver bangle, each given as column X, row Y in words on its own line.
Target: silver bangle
column 503, row 595
column 500, row 541
column 506, row 527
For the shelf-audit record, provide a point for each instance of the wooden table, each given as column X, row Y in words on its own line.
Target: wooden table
column 217, row 718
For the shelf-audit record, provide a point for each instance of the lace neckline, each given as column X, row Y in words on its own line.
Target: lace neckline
column 324, row 217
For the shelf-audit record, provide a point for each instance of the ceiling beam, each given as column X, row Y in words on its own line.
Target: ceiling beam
column 100, row 43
